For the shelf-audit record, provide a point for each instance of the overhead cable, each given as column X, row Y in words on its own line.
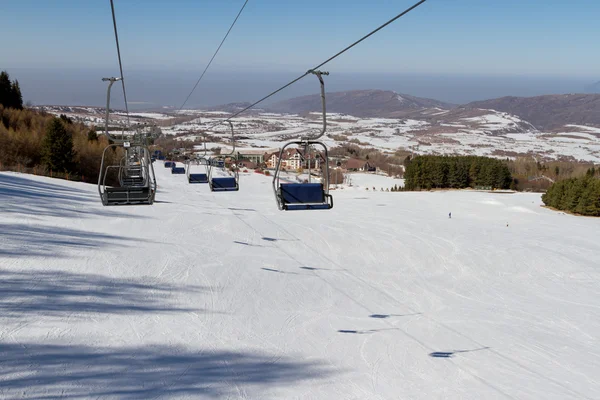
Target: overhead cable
column 112, row 7
column 403, row 13
column 214, row 55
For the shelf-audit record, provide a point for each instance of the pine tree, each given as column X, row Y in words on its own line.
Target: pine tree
column 92, row 135
column 5, row 90
column 58, row 153
column 17, row 98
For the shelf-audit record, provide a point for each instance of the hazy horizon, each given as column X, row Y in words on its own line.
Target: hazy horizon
column 456, row 51
column 147, row 89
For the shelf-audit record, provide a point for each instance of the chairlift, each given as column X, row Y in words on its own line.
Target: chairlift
column 226, row 182
column 308, row 195
column 135, row 173
column 175, row 170
column 198, row 177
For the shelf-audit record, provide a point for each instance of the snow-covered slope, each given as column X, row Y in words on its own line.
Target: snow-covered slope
column 220, row 295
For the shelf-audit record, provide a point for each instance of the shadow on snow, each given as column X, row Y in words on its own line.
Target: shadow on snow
column 35, row 371
column 22, row 240
column 57, row 293
column 449, row 354
column 20, row 194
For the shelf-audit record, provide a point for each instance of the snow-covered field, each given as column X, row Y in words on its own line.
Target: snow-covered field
column 368, row 181
column 493, row 133
column 219, row 295
column 486, row 133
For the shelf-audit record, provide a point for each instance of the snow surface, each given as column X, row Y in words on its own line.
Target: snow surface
column 220, row 295
column 366, row 180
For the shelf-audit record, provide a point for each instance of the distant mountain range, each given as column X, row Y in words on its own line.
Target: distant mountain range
column 550, row 111
column 361, row 103
column 543, row 112
column 230, row 107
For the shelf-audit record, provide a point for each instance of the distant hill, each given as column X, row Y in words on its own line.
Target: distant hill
column 550, row 111
column 230, row 107
column 361, row 103
column 593, row 88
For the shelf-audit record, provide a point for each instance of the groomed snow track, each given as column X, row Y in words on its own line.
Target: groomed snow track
column 206, row 295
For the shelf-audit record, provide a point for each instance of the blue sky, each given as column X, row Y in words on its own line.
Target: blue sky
column 542, row 38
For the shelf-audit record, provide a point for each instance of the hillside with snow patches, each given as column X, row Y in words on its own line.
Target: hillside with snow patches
column 220, row 295
column 460, row 130
column 465, row 132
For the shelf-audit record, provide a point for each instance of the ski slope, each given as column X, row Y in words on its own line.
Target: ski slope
column 220, row 295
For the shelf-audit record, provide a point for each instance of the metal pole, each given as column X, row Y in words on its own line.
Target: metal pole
column 111, row 82
column 319, row 76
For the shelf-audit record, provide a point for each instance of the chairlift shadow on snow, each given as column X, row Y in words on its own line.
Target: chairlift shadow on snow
column 384, row 316
column 320, row 269
column 280, row 271
column 366, row 331
column 22, row 195
column 35, row 370
column 270, row 239
column 450, row 354
column 248, row 244
column 53, row 293
column 22, row 240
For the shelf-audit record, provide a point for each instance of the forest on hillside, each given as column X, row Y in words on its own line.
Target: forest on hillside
column 577, row 195
column 40, row 143
column 456, row 172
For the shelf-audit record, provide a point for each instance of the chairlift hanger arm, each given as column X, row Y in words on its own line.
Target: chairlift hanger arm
column 319, row 75
column 232, row 141
column 111, row 82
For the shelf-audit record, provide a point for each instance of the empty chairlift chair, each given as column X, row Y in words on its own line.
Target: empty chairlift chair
column 198, row 176
column 177, row 170
column 137, row 184
column 228, row 181
column 134, row 173
column 309, row 195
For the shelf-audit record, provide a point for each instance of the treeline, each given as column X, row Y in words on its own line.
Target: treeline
column 10, row 92
column 40, row 143
column 458, row 172
column 530, row 174
column 577, row 195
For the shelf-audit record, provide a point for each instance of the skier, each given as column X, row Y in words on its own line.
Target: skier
column 450, row 215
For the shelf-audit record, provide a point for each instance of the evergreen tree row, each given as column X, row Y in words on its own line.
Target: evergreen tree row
column 459, row 172
column 10, row 92
column 578, row 195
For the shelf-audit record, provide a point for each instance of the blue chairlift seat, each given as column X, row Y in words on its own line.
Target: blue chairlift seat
column 304, row 196
column 168, row 164
column 222, row 184
column 177, row 170
column 198, row 178
column 161, row 158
